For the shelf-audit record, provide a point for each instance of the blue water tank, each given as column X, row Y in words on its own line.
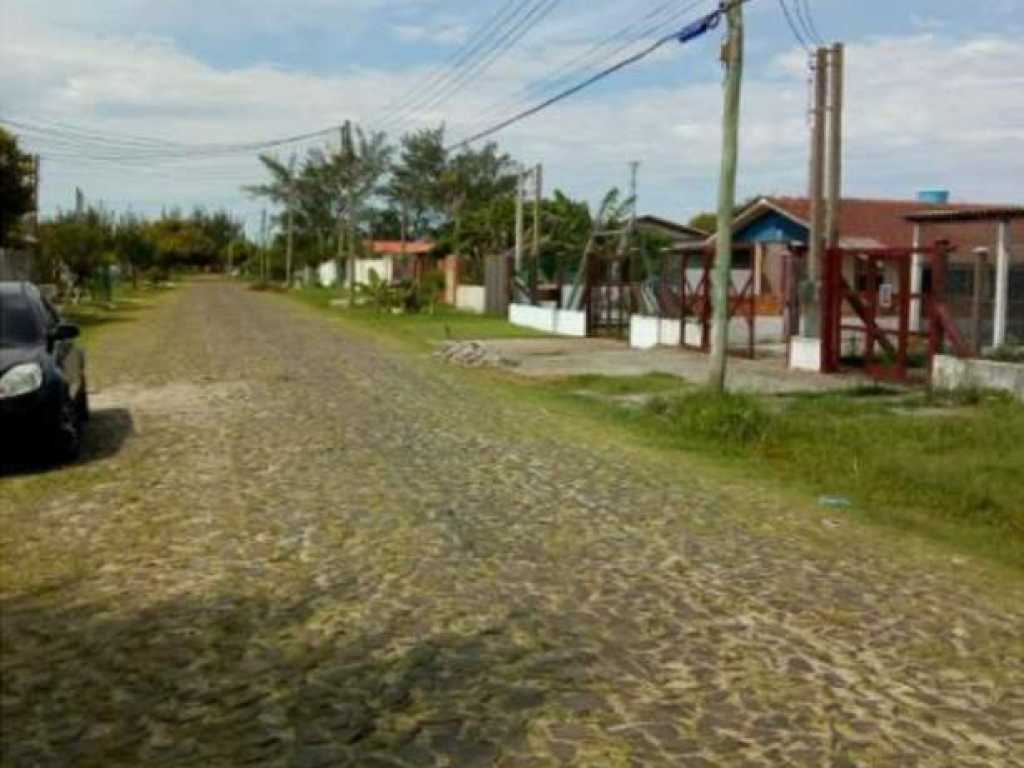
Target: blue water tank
column 933, row 196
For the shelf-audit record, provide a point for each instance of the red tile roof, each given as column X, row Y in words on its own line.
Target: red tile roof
column 395, row 247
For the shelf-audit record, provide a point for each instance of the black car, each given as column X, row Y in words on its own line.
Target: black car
column 43, row 398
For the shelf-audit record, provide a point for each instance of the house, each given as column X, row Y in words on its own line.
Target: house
column 389, row 259
column 669, row 230
column 768, row 228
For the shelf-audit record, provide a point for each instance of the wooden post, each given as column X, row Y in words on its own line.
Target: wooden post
column 733, row 57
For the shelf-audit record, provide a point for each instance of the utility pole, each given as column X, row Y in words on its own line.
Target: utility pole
column 634, row 167
column 263, row 245
column 732, row 56
column 520, row 194
column 538, row 195
column 835, row 144
column 810, row 296
column 291, row 223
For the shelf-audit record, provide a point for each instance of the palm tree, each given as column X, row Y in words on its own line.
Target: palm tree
column 282, row 189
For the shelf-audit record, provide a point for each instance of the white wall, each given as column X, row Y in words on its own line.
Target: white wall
column 562, row 322
column 327, row 273
column 471, row 298
column 382, row 267
column 570, row 323
column 644, row 331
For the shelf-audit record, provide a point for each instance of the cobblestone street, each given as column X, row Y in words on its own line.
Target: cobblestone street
column 291, row 544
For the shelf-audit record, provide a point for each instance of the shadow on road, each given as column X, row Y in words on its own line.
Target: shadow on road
column 234, row 679
column 105, row 435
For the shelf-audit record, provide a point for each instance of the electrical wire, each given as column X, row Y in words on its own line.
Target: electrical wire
column 596, row 55
column 463, row 52
column 684, row 35
column 793, row 28
column 489, row 35
column 534, row 16
column 804, row 26
column 809, row 15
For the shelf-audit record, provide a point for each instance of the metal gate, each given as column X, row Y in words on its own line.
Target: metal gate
column 866, row 297
column 610, row 296
column 684, row 293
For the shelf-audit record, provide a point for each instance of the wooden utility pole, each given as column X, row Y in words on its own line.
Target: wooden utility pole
column 810, row 298
column 835, row 145
column 732, row 56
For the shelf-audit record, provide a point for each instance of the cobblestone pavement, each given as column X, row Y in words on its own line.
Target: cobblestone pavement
column 292, row 546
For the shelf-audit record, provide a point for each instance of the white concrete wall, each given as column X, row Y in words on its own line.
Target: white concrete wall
column 529, row 316
column 549, row 320
column 950, row 372
column 327, row 273
column 570, row 323
column 382, row 267
column 471, row 298
column 644, row 331
column 669, row 332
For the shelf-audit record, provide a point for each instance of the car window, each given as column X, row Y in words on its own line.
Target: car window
column 18, row 322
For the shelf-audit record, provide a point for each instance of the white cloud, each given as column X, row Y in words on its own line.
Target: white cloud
column 921, row 110
column 447, row 34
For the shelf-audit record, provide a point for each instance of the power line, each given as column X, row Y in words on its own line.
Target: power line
column 534, row 16
column 684, row 35
column 792, row 26
column 464, row 51
column 579, row 65
column 486, row 38
column 808, row 33
column 809, row 15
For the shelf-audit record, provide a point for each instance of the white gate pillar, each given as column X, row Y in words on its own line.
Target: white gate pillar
column 1002, row 285
column 916, row 280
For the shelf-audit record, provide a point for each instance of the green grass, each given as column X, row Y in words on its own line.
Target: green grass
column 946, row 467
column 94, row 315
column 423, row 330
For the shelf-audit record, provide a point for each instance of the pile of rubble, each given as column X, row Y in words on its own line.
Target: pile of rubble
column 471, row 354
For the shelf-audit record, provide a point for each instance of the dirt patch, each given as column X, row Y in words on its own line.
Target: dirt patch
column 179, row 399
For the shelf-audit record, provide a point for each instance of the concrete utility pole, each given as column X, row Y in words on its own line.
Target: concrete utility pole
column 538, row 195
column 520, row 194
column 835, row 144
column 263, row 245
column 810, row 298
column 634, row 167
column 733, row 59
column 291, row 222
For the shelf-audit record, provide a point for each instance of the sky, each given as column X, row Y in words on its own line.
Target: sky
column 934, row 96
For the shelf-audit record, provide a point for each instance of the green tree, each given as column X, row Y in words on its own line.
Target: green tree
column 81, row 242
column 16, row 196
